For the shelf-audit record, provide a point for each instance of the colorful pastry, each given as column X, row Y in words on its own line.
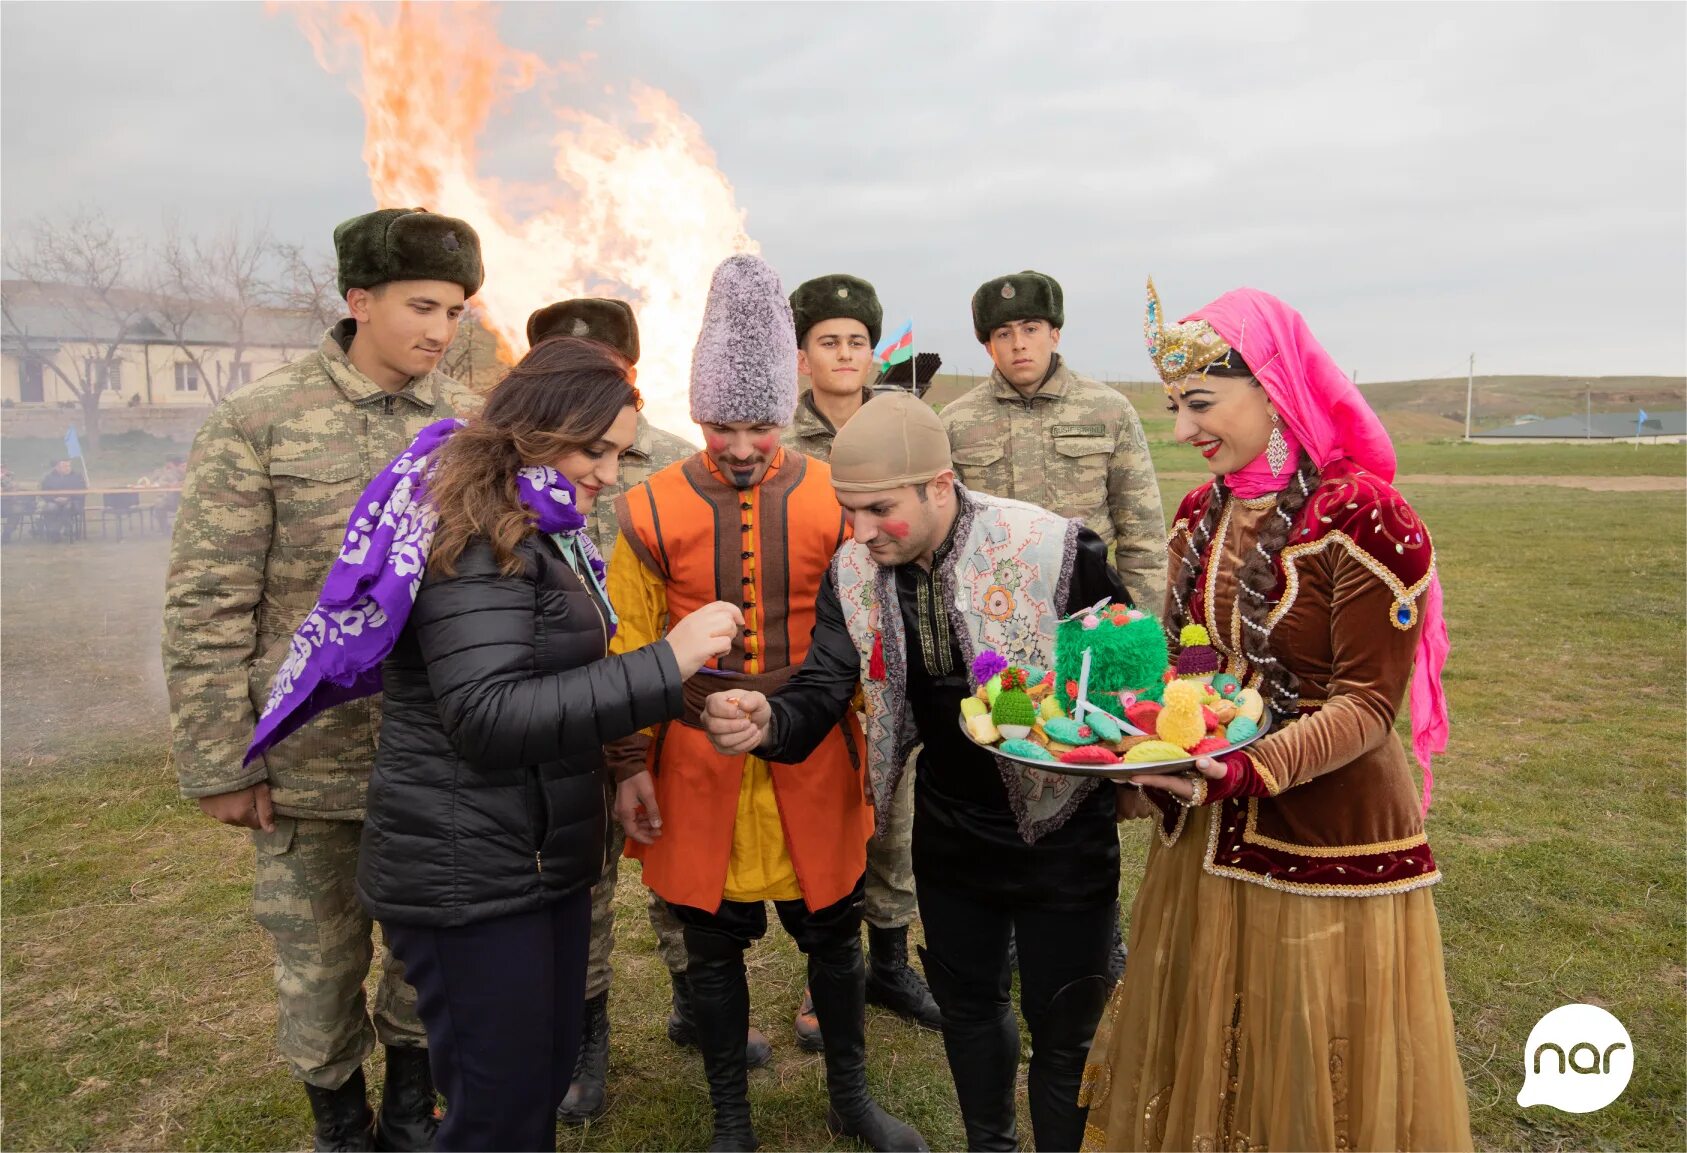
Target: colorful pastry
column 1069, row 732
column 1089, row 755
column 1050, row 708
column 982, row 730
column 1226, row 686
column 1180, row 722
column 1030, row 750
column 973, row 707
column 1241, row 729
column 1209, row 746
column 1105, row 728
column 1250, row 704
column 1152, row 752
column 1143, row 714
column 1225, row 711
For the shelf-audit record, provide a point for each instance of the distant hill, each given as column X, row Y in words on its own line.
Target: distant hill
column 1434, row 409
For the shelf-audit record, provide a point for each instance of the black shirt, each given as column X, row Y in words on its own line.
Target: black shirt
column 965, row 835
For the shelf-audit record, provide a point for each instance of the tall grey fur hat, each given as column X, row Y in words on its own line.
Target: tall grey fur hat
column 744, row 367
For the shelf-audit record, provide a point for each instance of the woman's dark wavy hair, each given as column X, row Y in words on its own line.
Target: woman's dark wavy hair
column 562, row 396
column 1258, row 575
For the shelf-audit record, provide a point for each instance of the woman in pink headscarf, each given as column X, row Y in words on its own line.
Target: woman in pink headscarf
column 1286, row 987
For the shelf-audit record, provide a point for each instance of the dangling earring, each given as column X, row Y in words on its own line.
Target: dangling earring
column 1276, row 449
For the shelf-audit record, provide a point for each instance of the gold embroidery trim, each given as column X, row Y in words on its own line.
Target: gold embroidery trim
column 1403, row 595
column 1251, row 834
column 1215, row 549
column 1304, row 888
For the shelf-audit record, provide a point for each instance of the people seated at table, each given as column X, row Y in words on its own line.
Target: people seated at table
column 61, row 516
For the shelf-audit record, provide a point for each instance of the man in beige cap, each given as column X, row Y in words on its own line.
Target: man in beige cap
column 935, row 575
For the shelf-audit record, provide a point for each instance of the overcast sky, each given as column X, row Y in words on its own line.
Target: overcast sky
column 1422, row 181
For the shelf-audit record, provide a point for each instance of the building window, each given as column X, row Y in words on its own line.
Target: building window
column 104, row 375
column 187, row 378
column 239, row 375
column 32, row 385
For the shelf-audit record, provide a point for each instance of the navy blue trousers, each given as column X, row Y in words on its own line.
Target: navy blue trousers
column 502, row 1002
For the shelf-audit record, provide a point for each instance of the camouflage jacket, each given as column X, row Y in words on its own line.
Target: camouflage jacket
column 275, row 471
column 653, row 450
column 1076, row 448
column 809, row 432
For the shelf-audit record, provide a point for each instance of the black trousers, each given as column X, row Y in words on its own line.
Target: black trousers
column 502, row 1001
column 737, row 924
column 1062, row 990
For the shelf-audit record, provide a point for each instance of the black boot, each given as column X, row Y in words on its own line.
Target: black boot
column 720, row 1010
column 682, row 1030
column 407, row 1122
column 982, row 1044
column 838, row 986
column 892, row 982
column 1060, row 1045
column 343, row 1118
column 584, row 1100
column 1116, row 955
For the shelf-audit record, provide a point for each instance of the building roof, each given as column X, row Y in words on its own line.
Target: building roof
column 50, row 314
column 1600, row 426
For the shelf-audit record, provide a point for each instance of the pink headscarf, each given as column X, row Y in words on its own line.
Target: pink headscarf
column 1330, row 418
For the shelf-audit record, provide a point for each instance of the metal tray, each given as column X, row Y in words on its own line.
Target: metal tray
column 1119, row 771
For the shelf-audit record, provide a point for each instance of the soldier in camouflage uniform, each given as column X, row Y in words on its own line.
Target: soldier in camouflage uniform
column 612, row 322
column 839, row 320
column 275, row 472
column 1037, row 431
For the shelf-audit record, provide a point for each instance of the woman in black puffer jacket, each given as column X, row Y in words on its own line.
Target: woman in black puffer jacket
column 485, row 824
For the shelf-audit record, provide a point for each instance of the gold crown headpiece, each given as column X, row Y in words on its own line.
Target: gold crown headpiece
column 1179, row 350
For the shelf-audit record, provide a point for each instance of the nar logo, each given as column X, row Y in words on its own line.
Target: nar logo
column 1578, row 1059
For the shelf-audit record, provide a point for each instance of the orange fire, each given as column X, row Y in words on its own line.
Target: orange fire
column 638, row 210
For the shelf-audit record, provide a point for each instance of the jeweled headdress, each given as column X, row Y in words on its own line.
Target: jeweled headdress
column 1181, row 349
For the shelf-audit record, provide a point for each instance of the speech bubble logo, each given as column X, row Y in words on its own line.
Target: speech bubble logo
column 1578, row 1059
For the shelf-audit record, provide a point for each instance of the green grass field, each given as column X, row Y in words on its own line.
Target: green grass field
column 138, row 1010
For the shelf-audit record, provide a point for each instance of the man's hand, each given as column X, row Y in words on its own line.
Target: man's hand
column 635, row 808
column 249, row 808
column 736, row 721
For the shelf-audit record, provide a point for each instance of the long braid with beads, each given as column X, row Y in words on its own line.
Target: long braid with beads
column 1258, row 574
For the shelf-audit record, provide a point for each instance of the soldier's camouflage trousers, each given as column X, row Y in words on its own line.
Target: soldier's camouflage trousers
column 890, row 900
column 670, row 937
column 324, row 942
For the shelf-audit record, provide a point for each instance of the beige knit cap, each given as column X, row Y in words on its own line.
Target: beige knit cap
column 895, row 440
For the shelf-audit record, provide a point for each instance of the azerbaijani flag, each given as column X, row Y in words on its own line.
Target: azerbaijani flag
column 897, row 347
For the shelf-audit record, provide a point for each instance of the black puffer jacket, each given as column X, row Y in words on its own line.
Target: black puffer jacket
column 487, row 796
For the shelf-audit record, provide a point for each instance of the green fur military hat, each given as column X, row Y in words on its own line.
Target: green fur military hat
column 1022, row 296
column 407, row 244
column 833, row 297
column 598, row 318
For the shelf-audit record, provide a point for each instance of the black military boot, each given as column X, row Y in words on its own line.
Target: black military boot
column 407, row 1121
column 892, row 982
column 838, row 986
column 682, row 1030
column 720, row 1012
column 1060, row 1046
column 1116, row 955
column 982, row 1044
column 584, row 1100
column 343, row 1118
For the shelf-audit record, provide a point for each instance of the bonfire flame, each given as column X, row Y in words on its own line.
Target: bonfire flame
column 639, row 210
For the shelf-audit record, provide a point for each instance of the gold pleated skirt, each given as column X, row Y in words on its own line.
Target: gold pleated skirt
column 1252, row 1019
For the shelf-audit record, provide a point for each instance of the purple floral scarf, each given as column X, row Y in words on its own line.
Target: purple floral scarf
column 337, row 652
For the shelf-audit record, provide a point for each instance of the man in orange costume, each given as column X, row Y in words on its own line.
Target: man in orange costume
column 747, row 521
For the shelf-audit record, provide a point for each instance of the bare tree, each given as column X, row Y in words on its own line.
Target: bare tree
column 209, row 294
column 310, row 285
column 86, row 274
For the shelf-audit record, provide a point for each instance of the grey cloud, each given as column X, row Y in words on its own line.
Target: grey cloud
column 1421, row 180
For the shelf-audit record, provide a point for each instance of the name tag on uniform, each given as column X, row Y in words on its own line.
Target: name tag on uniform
column 1078, row 430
